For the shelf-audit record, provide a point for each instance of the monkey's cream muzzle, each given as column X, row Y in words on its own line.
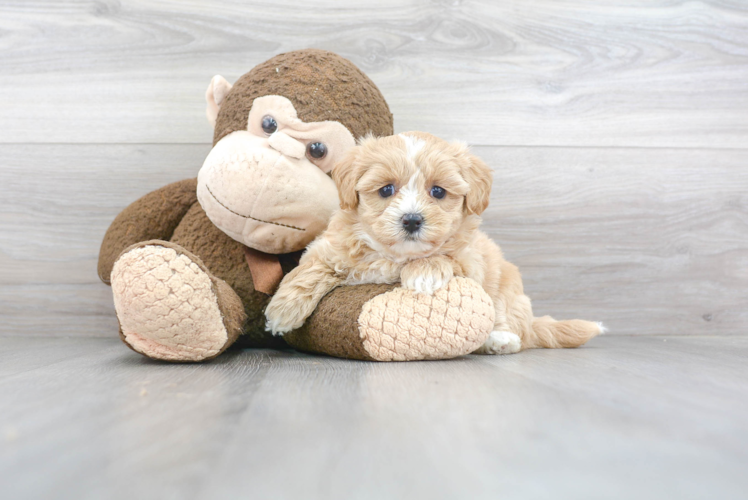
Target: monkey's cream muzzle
column 260, row 197
column 262, row 189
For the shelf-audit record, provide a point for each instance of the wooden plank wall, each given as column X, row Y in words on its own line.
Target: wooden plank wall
column 618, row 131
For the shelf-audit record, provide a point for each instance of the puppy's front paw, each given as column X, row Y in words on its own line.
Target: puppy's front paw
column 500, row 342
column 426, row 275
column 282, row 317
column 425, row 284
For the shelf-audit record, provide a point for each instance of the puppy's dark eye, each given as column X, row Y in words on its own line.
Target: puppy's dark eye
column 316, row 150
column 438, row 192
column 387, row 191
column 269, row 125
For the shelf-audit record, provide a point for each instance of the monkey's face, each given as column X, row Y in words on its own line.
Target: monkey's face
column 267, row 186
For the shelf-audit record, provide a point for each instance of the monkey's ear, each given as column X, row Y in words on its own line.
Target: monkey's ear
column 346, row 174
column 214, row 96
column 479, row 177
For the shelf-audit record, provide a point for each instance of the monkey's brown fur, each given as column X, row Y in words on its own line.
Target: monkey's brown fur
column 322, row 86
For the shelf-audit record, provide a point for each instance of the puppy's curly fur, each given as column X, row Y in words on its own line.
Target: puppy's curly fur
column 410, row 211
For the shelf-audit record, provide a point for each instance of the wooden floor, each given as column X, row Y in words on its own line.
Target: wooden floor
column 623, row 417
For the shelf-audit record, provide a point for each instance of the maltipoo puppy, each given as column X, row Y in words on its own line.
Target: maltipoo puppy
column 410, row 208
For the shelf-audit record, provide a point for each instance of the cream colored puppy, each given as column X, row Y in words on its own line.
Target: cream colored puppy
column 410, row 211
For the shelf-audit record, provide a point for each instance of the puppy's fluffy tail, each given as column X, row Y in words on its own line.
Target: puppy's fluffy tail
column 547, row 332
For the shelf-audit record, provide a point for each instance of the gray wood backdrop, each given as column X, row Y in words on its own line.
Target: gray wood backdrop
column 618, row 131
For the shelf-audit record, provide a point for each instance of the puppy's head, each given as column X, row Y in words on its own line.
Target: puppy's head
column 412, row 192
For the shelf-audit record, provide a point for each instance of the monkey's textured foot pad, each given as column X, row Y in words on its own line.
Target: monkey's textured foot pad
column 167, row 305
column 389, row 323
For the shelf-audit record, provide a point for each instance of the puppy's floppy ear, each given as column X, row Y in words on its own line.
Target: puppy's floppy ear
column 479, row 177
column 346, row 175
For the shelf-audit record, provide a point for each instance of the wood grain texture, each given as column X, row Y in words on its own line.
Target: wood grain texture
column 58, row 200
column 547, row 72
column 621, row 418
column 641, row 239
column 647, row 241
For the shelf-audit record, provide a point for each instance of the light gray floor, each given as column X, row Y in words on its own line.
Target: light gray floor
column 623, row 417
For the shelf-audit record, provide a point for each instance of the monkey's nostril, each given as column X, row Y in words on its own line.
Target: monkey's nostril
column 412, row 222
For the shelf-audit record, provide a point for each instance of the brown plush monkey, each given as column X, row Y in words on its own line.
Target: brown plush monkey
column 193, row 264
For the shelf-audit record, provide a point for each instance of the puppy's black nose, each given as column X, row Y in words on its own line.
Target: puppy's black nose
column 412, row 222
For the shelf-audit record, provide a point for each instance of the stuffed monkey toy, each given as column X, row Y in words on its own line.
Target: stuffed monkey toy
column 193, row 265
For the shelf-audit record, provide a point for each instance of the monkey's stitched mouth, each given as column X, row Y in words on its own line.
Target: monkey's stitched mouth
column 248, row 216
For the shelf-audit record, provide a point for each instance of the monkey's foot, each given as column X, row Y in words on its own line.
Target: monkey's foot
column 391, row 323
column 170, row 307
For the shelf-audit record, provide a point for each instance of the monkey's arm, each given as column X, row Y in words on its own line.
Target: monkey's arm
column 152, row 217
column 298, row 295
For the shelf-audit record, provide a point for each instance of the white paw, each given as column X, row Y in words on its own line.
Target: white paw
column 427, row 284
column 280, row 320
column 277, row 328
column 501, row 342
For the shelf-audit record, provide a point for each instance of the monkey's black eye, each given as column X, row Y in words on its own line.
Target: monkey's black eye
column 438, row 192
column 387, row 191
column 316, row 150
column 269, row 125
